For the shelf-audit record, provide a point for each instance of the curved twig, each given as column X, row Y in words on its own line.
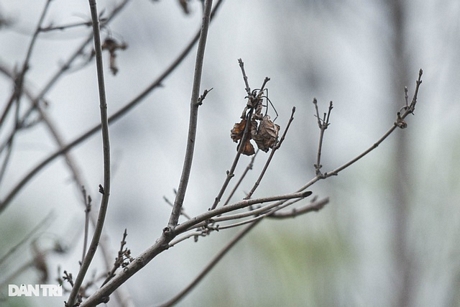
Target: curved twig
column 193, row 121
column 399, row 123
column 106, row 154
column 193, row 222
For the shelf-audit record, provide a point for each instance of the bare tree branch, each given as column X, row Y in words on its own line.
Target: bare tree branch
column 193, row 222
column 87, row 218
column 194, row 104
column 121, row 294
column 322, row 124
column 399, row 123
column 245, row 137
column 106, row 155
column 314, row 206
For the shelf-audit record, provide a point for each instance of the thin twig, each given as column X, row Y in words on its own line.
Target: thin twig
column 314, row 206
column 262, row 88
column 270, row 157
column 231, row 171
column 278, row 206
column 203, row 96
column 8, row 146
column 246, row 132
column 187, row 236
column 182, row 212
column 245, row 77
column 123, row 254
column 71, row 25
column 106, row 155
column 396, row 124
column 10, row 101
column 238, row 205
column 268, row 209
column 271, row 211
column 193, row 120
column 87, row 200
column 323, row 124
column 243, row 175
column 399, row 123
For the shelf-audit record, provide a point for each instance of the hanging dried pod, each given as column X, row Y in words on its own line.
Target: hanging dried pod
column 267, row 134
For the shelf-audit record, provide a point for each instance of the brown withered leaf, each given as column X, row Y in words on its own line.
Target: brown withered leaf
column 267, row 135
column 238, row 130
column 237, row 134
column 248, row 149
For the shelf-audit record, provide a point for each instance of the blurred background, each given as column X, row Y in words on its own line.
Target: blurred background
column 388, row 237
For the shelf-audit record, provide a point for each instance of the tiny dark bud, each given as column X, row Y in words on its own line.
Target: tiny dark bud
column 307, row 193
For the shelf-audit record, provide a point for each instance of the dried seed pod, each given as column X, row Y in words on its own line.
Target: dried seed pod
column 267, row 134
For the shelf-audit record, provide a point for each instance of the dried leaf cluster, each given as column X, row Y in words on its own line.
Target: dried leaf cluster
column 261, row 128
